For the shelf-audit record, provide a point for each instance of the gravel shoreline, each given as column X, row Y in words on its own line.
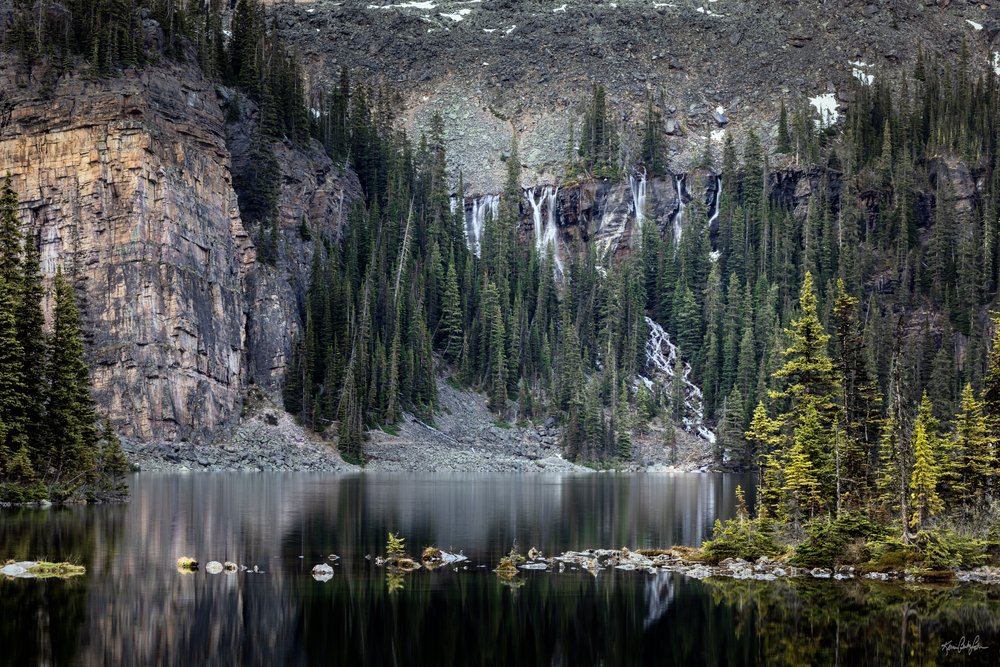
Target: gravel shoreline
column 464, row 437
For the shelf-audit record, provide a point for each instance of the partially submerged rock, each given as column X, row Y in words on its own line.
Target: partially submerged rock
column 322, row 572
column 534, row 566
column 507, row 569
column 213, row 567
column 187, row 564
column 405, row 564
column 30, row 569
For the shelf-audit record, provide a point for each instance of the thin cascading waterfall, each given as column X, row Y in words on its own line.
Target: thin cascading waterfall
column 544, row 214
column 638, row 186
column 661, row 357
column 716, row 201
column 476, row 220
column 536, row 215
column 679, row 183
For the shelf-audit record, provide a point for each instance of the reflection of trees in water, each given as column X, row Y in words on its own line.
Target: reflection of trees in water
column 810, row 622
column 42, row 621
column 134, row 608
column 485, row 515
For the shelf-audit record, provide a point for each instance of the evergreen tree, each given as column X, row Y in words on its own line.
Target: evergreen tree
column 808, row 371
column 976, row 462
column 802, row 484
column 71, row 435
column 924, row 498
column 451, row 326
column 784, row 139
column 13, row 435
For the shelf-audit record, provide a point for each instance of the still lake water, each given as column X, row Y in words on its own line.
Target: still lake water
column 134, row 608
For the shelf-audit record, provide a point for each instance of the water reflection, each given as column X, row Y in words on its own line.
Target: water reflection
column 133, row 607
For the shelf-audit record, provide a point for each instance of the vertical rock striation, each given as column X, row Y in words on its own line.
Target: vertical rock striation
column 127, row 185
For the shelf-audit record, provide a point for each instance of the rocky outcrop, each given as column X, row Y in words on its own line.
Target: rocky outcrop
column 605, row 212
column 127, row 184
column 316, row 196
column 499, row 67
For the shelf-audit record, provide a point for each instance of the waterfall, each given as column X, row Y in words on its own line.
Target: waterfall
column 716, row 201
column 638, row 186
column 547, row 230
column 679, row 183
column 661, row 356
column 475, row 219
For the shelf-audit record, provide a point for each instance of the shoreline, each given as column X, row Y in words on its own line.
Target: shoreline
column 464, row 437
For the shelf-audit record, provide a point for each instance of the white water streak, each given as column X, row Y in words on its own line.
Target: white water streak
column 638, row 187
column 716, row 202
column 679, row 181
column 546, row 224
column 475, row 220
column 661, row 357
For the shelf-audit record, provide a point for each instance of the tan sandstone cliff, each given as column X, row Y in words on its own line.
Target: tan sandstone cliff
column 127, row 184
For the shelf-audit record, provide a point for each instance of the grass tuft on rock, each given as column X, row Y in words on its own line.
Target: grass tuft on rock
column 187, row 564
column 46, row 570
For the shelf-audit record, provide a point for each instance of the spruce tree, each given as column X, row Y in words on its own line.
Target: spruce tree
column 13, row 434
column 802, row 484
column 71, row 434
column 33, row 340
column 10, row 237
column 976, row 463
column 450, row 328
column 808, row 372
column 784, row 139
column 924, row 499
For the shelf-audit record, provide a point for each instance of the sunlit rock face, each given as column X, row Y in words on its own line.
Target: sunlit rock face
column 127, row 185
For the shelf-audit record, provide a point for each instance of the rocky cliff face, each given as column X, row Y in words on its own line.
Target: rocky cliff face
column 498, row 67
column 316, row 196
column 127, row 184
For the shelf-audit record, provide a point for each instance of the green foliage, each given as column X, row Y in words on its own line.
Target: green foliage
column 741, row 537
column 932, row 550
column 828, row 540
column 924, row 478
column 48, row 438
column 395, row 547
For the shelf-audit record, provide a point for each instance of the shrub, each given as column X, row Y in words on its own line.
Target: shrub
column 748, row 539
column 831, row 542
column 395, row 547
column 741, row 537
column 933, row 550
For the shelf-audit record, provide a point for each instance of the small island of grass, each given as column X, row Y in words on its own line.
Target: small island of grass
column 41, row 570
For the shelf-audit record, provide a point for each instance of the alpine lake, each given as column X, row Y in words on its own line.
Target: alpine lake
column 134, row 607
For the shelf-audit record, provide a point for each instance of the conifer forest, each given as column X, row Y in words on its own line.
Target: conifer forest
column 336, row 299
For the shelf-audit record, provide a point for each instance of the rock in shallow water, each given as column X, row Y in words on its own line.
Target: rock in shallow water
column 213, row 567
